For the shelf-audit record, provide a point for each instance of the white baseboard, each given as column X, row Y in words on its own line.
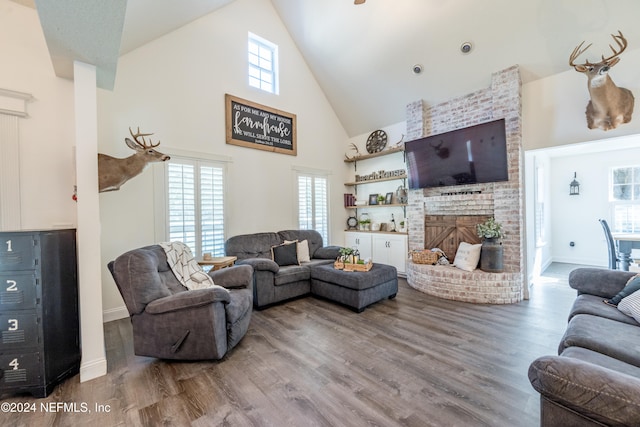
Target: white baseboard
column 93, row 369
column 114, row 314
column 581, row 261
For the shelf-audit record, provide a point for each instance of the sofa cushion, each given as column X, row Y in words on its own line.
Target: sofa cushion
column 601, row 360
column 291, row 274
column 285, row 254
column 609, row 337
column 591, row 304
column 599, row 281
column 188, row 300
column 257, row 245
column 147, row 275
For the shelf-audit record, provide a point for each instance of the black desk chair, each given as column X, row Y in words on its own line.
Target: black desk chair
column 614, row 259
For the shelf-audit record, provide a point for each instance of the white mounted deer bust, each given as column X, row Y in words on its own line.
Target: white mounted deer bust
column 113, row 172
column 610, row 105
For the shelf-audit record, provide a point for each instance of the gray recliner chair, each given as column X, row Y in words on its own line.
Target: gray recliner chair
column 171, row 322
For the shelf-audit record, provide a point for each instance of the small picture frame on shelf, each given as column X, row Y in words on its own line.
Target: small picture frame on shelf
column 373, row 199
column 388, row 198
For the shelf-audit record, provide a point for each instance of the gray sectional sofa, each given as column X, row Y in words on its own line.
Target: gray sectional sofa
column 275, row 282
column 595, row 379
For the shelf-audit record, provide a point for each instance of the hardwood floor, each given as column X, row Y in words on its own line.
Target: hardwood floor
column 412, row 361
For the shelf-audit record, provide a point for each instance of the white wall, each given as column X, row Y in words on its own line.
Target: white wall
column 175, row 87
column 553, row 108
column 47, row 136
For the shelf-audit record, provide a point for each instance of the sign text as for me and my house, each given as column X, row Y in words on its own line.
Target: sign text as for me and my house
column 256, row 126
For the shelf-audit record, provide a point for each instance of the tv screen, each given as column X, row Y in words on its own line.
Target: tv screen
column 471, row 155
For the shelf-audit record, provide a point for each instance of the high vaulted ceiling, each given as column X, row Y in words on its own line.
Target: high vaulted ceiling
column 363, row 55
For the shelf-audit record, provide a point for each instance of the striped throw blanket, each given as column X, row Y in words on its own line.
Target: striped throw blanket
column 185, row 267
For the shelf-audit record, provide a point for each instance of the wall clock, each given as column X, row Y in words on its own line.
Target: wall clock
column 376, row 141
column 352, row 222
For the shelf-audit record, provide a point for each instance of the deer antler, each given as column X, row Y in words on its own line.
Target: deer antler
column 620, row 41
column 577, row 52
column 622, row 44
column 143, row 144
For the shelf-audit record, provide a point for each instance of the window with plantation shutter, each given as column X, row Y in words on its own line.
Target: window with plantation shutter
column 313, row 204
column 195, row 205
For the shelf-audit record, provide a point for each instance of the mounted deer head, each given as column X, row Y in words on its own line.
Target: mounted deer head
column 610, row 105
column 113, row 172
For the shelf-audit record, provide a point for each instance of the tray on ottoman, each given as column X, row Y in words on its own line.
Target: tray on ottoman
column 352, row 267
column 355, row 290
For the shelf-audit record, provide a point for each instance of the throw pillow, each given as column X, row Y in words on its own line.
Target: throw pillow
column 285, row 254
column 630, row 306
column 302, row 249
column 467, row 256
column 632, row 285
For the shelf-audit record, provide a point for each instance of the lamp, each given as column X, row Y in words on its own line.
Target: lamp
column 574, row 187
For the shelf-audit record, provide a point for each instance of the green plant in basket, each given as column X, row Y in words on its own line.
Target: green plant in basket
column 490, row 229
column 345, row 253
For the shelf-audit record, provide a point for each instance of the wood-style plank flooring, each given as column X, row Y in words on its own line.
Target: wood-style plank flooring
column 412, row 361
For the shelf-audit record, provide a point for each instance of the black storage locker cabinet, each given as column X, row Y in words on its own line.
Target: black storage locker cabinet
column 39, row 324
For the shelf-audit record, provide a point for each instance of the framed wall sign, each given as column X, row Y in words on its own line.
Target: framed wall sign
column 255, row 126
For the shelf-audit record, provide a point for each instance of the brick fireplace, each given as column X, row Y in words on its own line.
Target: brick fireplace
column 503, row 200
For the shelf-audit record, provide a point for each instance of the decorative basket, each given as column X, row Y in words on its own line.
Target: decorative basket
column 424, row 257
column 358, row 267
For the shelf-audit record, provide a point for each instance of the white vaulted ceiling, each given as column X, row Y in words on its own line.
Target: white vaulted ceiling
column 362, row 55
column 98, row 32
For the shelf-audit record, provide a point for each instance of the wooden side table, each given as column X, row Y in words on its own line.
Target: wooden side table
column 217, row 263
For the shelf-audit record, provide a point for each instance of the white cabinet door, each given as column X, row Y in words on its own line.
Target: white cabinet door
column 390, row 249
column 359, row 241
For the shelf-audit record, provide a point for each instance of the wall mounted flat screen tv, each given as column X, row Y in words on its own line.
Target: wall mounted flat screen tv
column 470, row 155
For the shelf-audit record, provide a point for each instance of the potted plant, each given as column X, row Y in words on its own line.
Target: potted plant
column 491, row 255
column 490, row 229
column 365, row 224
column 381, row 199
column 345, row 254
column 402, row 226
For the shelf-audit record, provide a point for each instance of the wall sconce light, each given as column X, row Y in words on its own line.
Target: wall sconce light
column 574, row 187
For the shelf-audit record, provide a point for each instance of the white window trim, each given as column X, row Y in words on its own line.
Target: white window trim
column 321, row 173
column 160, row 188
column 276, row 67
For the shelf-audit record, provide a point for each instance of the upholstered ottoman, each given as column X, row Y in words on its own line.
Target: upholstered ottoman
column 355, row 289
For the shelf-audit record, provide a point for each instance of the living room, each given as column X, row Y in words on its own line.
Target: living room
column 174, row 87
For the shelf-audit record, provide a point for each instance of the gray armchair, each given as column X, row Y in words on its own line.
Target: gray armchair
column 171, row 322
